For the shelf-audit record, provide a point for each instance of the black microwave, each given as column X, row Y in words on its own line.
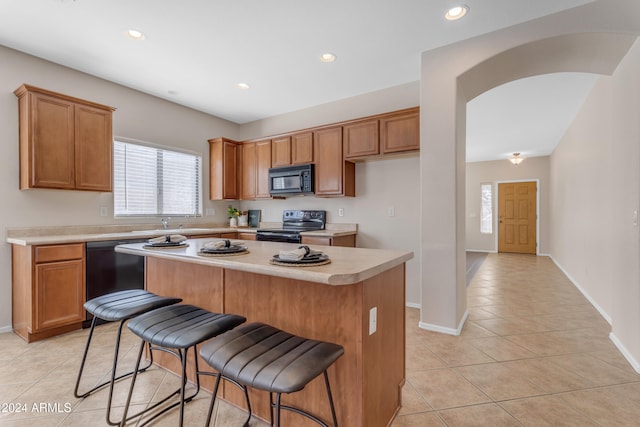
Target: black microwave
column 291, row 180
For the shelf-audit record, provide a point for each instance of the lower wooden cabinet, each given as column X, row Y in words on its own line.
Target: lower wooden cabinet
column 246, row 236
column 48, row 289
column 349, row 240
column 230, row 235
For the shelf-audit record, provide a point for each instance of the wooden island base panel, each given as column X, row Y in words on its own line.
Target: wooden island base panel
column 333, row 305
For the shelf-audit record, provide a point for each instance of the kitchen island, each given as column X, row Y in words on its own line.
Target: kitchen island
column 331, row 302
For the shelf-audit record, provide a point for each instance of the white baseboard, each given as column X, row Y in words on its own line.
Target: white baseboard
column 443, row 330
column 627, row 355
column 4, row 329
column 481, row 250
column 583, row 292
column 413, row 305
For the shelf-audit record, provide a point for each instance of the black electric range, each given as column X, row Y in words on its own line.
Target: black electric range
column 293, row 222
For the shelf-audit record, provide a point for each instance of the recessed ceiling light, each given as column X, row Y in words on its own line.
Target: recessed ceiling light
column 327, row 57
column 135, row 34
column 242, row 86
column 456, row 12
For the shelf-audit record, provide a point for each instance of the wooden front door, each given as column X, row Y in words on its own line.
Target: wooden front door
column 517, row 217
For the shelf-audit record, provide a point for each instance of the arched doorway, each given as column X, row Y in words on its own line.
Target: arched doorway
column 452, row 77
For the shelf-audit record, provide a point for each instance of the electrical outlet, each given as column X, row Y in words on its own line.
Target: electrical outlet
column 210, row 212
column 104, row 211
column 391, row 211
column 373, row 320
column 341, row 212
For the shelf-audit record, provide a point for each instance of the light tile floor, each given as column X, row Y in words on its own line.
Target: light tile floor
column 533, row 352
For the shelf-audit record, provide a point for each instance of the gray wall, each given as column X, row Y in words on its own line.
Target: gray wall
column 138, row 116
column 595, row 190
column 147, row 118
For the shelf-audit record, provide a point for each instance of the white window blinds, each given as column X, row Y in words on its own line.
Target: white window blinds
column 150, row 181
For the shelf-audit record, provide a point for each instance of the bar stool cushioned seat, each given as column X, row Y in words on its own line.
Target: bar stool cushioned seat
column 175, row 329
column 118, row 307
column 269, row 359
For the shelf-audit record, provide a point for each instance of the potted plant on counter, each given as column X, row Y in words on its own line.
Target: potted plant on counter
column 233, row 214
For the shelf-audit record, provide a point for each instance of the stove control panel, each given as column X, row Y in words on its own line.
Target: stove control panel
column 302, row 215
column 304, row 219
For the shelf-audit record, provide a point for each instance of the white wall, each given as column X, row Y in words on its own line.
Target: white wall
column 138, row 116
column 477, row 173
column 591, row 38
column 595, row 184
column 582, row 199
column 147, row 118
column 380, row 184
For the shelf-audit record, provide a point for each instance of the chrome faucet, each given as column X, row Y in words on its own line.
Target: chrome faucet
column 165, row 223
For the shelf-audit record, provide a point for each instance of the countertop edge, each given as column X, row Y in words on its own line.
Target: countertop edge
column 304, row 274
column 130, row 235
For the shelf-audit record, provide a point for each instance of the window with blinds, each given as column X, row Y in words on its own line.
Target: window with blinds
column 151, row 181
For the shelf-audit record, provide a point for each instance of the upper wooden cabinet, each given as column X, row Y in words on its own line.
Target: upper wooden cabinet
column 302, row 148
column 400, row 132
column 383, row 134
column 294, row 149
column 247, row 171
column 361, row 138
column 65, row 142
column 223, row 167
column 281, row 151
column 241, row 170
column 333, row 175
column 255, row 161
column 263, row 163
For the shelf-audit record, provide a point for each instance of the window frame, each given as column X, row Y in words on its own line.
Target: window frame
column 197, row 201
column 484, row 223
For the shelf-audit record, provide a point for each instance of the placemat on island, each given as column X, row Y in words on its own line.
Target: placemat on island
column 213, row 254
column 165, row 246
column 308, row 264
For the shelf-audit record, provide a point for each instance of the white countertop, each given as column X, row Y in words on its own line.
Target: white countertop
column 348, row 265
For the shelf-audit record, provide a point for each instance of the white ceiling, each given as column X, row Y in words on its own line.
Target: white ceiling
column 195, row 51
column 528, row 116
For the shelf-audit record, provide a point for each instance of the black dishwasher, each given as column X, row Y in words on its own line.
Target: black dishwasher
column 110, row 271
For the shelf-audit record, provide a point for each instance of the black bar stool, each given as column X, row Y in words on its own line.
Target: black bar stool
column 175, row 329
column 266, row 358
column 118, row 307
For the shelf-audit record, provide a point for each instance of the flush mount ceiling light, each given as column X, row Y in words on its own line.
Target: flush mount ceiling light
column 516, row 159
column 243, row 86
column 135, row 34
column 456, row 12
column 327, row 57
